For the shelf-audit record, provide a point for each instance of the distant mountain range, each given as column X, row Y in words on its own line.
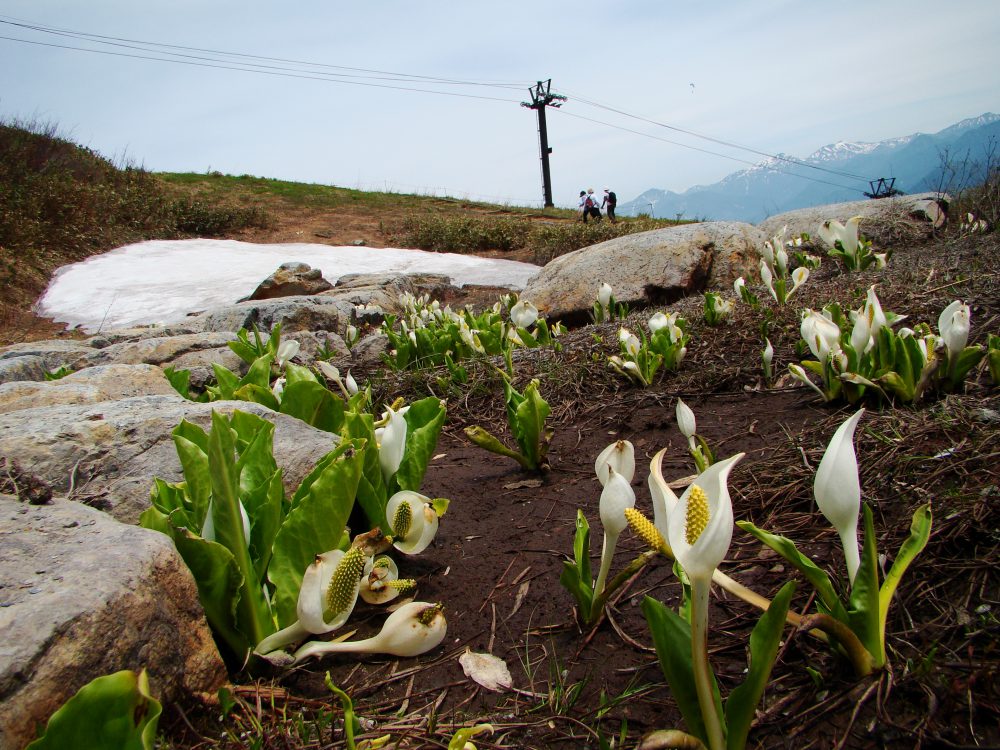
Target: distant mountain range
column 781, row 184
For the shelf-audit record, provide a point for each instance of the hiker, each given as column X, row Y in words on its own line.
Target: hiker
column 584, row 208
column 610, row 201
column 591, row 205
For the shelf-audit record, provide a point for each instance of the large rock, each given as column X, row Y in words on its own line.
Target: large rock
column 106, row 454
column 28, row 367
column 81, row 596
column 301, row 313
column 160, row 350
column 647, row 268
column 291, row 279
column 90, row 386
column 884, row 220
column 30, row 361
column 379, row 293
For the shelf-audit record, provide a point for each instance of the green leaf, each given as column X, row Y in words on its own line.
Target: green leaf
column 314, row 404
column 372, row 493
column 672, row 639
column 965, row 361
column 153, row 518
column 576, row 577
column 197, row 478
column 256, row 464
column 424, row 420
column 530, row 431
column 256, row 394
column 298, row 374
column 920, row 532
column 863, row 608
column 180, row 380
column 219, row 581
column 819, row 579
column 114, row 712
column 764, row 642
column 226, row 382
column 465, row 734
column 253, row 617
column 488, row 442
column 259, row 373
column 264, row 507
column 315, row 525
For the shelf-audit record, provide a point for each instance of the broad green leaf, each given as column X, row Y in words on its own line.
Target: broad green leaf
column 305, row 486
column 219, row 581
column 920, row 532
column 571, row 580
column 315, row 525
column 252, row 615
column 298, row 374
column 820, row 580
column 581, row 548
column 863, row 608
column 226, row 382
column 153, row 518
column 764, row 642
column 169, row 499
column 672, row 638
column 256, row 394
column 372, row 492
column 256, row 464
column 192, row 432
column 180, row 380
column 314, row 404
column 462, row 736
column 530, row 417
column 114, row 712
column 965, row 361
column 264, row 506
column 259, row 373
column 487, row 441
column 198, row 480
column 424, row 420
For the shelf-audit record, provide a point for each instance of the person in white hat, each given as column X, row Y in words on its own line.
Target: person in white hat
column 595, row 211
column 609, row 203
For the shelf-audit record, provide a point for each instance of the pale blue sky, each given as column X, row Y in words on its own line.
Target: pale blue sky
column 776, row 75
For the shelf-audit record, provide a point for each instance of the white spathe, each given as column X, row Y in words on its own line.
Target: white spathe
column 161, row 281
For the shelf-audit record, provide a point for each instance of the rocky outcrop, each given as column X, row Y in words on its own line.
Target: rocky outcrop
column 291, row 279
column 107, row 453
column 300, row 313
column 90, row 386
column 883, row 220
column 185, row 350
column 647, row 268
column 81, row 596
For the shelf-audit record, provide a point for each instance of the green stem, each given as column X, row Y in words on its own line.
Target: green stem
column 861, row 659
column 699, row 661
column 601, row 599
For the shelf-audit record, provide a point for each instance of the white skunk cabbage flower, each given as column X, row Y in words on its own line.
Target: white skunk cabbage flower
column 604, row 294
column 350, row 383
column 861, row 335
column 738, row 286
column 664, row 499
column 799, row 373
column 658, row 321
column 392, row 443
column 832, row 232
column 615, row 498
column 329, row 589
column 838, row 490
column 630, row 341
column 523, row 314
column 873, row 311
column 767, row 356
column 881, row 260
column 278, row 388
column 381, row 582
column 700, row 528
column 781, row 261
column 767, row 278
column 686, row 422
column 286, row 350
column 799, row 277
column 953, row 325
column 619, row 457
column 413, row 629
column 820, row 333
column 413, row 521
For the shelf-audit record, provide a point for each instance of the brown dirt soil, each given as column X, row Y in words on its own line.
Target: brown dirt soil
column 496, row 561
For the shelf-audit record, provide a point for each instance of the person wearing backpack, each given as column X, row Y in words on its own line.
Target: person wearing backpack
column 592, row 206
column 583, row 206
column 610, row 201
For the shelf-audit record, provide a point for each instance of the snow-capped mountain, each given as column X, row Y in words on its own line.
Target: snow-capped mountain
column 784, row 182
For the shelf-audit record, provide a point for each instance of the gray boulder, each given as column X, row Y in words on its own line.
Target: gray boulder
column 81, row 596
column 106, row 454
column 647, row 268
column 883, row 220
column 291, row 279
column 198, row 348
column 300, row 313
column 90, row 386
column 28, row 367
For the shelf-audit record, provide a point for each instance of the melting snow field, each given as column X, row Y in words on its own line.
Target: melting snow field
column 161, row 281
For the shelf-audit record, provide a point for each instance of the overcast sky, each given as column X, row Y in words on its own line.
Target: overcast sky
column 773, row 75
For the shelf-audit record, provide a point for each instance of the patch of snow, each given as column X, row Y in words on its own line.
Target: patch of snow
column 162, row 281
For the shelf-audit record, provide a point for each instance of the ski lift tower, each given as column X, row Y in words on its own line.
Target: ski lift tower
column 542, row 97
